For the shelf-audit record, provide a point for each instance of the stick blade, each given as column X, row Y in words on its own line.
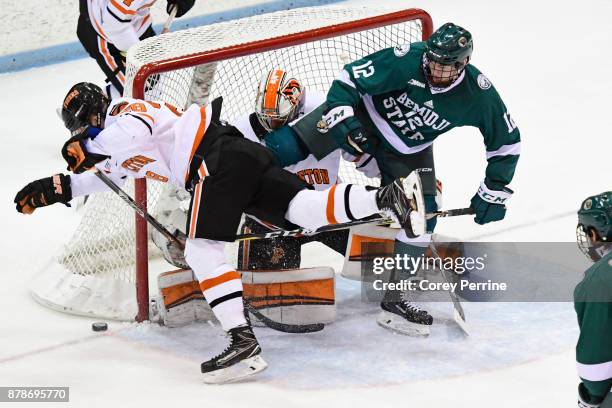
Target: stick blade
column 460, row 320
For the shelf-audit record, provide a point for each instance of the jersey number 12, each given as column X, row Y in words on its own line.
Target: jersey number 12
column 509, row 122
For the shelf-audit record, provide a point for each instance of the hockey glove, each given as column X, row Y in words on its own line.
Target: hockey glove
column 346, row 129
column 490, row 205
column 43, row 192
column 75, row 153
column 183, row 6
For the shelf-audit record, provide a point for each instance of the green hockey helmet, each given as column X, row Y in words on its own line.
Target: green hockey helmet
column 450, row 45
column 594, row 230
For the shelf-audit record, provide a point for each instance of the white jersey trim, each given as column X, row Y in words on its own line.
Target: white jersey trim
column 506, row 150
column 345, row 78
column 595, row 372
column 388, row 133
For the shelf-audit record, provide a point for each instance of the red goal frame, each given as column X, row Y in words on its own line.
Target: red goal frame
column 140, row 194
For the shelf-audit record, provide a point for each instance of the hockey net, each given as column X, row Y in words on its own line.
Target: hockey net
column 99, row 268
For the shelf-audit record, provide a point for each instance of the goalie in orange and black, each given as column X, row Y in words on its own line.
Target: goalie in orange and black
column 226, row 174
column 107, row 28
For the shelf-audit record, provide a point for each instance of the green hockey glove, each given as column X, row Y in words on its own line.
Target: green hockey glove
column 490, row 205
column 345, row 128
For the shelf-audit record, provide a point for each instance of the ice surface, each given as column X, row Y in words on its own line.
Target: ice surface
column 545, row 58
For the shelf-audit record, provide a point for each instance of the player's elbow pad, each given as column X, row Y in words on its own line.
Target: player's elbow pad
column 287, row 147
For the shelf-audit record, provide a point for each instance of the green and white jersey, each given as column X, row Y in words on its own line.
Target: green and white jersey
column 392, row 98
column 593, row 304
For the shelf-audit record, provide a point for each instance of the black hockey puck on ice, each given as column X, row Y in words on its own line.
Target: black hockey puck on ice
column 99, row 326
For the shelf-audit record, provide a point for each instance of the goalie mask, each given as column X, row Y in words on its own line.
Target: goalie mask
column 84, row 105
column 449, row 50
column 279, row 98
column 594, row 230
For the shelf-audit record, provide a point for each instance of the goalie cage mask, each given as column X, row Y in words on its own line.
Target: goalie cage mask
column 279, row 99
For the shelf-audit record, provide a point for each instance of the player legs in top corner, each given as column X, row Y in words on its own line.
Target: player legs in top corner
column 593, row 303
column 108, row 28
column 226, row 175
column 393, row 104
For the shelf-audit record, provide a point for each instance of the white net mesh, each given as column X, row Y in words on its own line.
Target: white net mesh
column 95, row 275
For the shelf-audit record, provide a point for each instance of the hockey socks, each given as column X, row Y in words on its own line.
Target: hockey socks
column 340, row 203
column 220, row 283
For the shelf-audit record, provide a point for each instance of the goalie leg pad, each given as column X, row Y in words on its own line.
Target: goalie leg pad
column 364, row 243
column 298, row 296
column 183, row 301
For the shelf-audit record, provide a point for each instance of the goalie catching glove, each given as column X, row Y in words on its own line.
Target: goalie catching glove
column 490, row 205
column 43, row 192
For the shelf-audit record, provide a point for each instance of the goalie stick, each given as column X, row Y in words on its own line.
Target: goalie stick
column 283, row 327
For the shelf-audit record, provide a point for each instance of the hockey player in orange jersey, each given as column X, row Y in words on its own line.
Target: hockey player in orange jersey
column 226, row 174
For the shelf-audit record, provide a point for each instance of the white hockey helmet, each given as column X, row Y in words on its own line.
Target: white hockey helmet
column 279, row 98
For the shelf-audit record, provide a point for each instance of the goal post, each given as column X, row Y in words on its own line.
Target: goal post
column 312, row 43
column 267, row 40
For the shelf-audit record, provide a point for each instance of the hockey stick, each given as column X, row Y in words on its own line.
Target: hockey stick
column 283, row 327
column 169, row 20
column 450, row 213
column 300, row 232
column 376, row 220
column 458, row 313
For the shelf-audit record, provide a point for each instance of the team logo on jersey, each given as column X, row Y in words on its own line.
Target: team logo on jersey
column 322, row 126
column 483, row 82
column 401, row 50
column 588, row 204
column 416, row 83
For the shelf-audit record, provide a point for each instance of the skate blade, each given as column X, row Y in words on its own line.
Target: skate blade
column 400, row 325
column 414, row 192
column 236, row 372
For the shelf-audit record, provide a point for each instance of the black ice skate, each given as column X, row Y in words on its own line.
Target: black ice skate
column 239, row 360
column 404, row 199
column 404, row 317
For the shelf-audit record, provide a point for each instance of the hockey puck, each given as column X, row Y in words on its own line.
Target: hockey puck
column 99, row 326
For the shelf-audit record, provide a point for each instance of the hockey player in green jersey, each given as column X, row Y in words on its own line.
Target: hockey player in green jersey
column 593, row 303
column 393, row 104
